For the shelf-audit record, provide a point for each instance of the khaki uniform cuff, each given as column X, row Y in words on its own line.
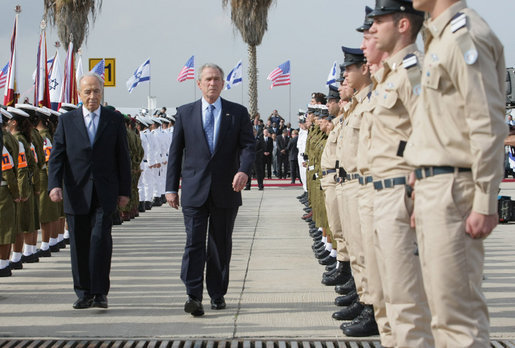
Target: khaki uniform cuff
column 485, row 202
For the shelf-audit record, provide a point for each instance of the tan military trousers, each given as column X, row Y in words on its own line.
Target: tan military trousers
column 333, row 216
column 373, row 287
column 399, row 269
column 349, row 215
column 452, row 262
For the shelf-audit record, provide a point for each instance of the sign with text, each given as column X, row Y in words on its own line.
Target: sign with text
column 109, row 70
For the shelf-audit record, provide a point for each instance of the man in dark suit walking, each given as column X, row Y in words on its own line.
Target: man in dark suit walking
column 268, row 153
column 282, row 154
column 259, row 166
column 89, row 167
column 293, row 153
column 213, row 148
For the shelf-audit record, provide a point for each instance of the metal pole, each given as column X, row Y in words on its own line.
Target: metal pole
column 289, row 110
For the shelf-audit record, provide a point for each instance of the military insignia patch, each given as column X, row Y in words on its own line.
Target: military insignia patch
column 459, row 21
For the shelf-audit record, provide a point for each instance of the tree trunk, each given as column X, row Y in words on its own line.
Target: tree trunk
column 253, row 91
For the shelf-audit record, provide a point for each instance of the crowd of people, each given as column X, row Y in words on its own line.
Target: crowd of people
column 403, row 166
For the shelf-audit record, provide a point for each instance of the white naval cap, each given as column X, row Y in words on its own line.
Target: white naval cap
column 6, row 113
column 17, row 112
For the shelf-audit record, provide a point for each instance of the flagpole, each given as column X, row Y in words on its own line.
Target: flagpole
column 289, row 112
column 194, row 90
column 149, row 85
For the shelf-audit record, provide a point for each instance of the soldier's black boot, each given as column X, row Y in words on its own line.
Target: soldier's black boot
column 340, row 277
column 364, row 325
column 141, row 207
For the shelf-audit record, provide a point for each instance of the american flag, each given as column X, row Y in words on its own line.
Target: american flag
column 280, row 76
column 3, row 75
column 99, row 69
column 188, row 71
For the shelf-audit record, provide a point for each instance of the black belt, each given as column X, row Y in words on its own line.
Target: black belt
column 328, row 171
column 389, row 183
column 427, row 172
column 363, row 180
column 145, row 161
column 351, row 176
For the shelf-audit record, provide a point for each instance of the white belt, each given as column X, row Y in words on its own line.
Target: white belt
column 311, row 167
column 3, row 183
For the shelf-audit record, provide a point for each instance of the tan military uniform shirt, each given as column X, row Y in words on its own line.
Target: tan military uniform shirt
column 396, row 95
column 328, row 160
column 365, row 133
column 459, row 120
column 350, row 131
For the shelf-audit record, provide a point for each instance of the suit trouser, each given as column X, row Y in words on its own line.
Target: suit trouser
column 282, row 164
column 401, row 276
column 333, row 216
column 452, row 262
column 349, row 215
column 91, row 248
column 267, row 166
column 259, row 168
column 374, row 288
column 220, row 222
column 294, row 170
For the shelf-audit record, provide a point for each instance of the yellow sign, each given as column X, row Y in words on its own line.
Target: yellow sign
column 109, row 70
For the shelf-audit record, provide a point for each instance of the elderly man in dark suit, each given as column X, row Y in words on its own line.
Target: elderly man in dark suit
column 213, row 148
column 89, row 167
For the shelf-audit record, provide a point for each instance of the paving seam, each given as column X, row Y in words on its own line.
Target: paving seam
column 247, row 268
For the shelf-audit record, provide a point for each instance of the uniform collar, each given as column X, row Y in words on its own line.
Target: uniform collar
column 435, row 27
column 395, row 61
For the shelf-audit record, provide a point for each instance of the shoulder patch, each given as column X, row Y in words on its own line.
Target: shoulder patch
column 409, row 61
column 467, row 48
column 458, row 21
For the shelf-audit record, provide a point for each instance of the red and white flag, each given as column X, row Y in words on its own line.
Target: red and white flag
column 41, row 91
column 69, row 88
column 188, row 71
column 280, row 76
column 11, row 89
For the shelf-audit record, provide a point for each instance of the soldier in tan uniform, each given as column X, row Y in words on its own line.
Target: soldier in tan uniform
column 357, row 76
column 366, row 196
column 329, row 165
column 457, row 147
column 395, row 28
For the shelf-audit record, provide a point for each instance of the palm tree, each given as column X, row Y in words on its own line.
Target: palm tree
column 250, row 18
column 71, row 19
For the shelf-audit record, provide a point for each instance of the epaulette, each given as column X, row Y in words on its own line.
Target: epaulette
column 458, row 21
column 464, row 40
column 414, row 75
column 409, row 61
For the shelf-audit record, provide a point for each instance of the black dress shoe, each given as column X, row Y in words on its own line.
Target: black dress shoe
column 62, row 244
column 330, row 272
column 329, row 260
column 346, row 300
column 44, row 253
column 141, row 207
column 345, row 288
column 100, row 301
column 218, row 303
column 350, row 312
column 323, row 254
column 364, row 325
column 66, row 241
column 337, row 278
column 6, row 272
column 320, row 249
column 83, row 302
column 247, row 188
column 148, row 205
column 261, row 189
column 32, row 258
column 54, row 248
column 16, row 265
column 316, row 235
column 194, row 307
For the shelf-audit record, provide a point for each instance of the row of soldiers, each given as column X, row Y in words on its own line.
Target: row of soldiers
column 25, row 207
column 406, row 128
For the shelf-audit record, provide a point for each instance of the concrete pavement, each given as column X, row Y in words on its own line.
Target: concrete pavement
column 275, row 289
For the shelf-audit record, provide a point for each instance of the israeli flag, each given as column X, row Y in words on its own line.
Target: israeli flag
column 234, row 77
column 140, row 75
column 331, row 79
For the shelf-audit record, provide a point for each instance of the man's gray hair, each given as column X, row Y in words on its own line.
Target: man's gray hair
column 212, row 66
column 90, row 73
